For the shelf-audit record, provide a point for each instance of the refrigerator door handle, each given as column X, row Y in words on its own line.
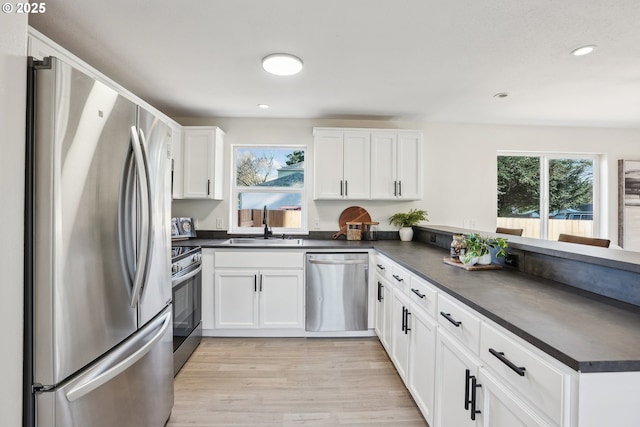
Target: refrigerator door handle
column 150, row 214
column 96, row 378
column 145, row 215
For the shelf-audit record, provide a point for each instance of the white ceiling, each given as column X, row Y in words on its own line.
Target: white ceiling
column 424, row 60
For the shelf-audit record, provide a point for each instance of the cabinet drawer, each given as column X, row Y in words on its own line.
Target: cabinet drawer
column 537, row 380
column 423, row 295
column 400, row 277
column 459, row 322
column 383, row 266
column 262, row 259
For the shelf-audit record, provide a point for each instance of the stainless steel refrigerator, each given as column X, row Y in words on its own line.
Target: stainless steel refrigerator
column 98, row 327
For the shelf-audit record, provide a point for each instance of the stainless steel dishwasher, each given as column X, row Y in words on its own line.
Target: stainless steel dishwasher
column 337, row 291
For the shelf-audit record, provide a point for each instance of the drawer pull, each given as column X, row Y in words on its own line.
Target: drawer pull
column 398, row 278
column 447, row 316
column 381, row 267
column 417, row 292
column 470, row 400
column 500, row 355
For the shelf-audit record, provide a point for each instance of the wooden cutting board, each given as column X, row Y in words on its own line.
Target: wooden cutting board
column 351, row 214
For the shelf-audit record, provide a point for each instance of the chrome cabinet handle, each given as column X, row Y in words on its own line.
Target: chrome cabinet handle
column 398, row 278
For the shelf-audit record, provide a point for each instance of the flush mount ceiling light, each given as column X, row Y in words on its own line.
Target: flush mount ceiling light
column 282, row 64
column 501, row 95
column 263, row 106
column 583, row 50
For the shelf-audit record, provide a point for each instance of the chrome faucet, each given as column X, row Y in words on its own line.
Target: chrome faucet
column 267, row 232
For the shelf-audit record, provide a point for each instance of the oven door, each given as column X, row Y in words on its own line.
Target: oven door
column 187, row 290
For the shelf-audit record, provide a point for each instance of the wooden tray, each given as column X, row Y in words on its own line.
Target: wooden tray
column 448, row 260
column 351, row 214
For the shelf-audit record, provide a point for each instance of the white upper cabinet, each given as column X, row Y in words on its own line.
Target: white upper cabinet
column 202, row 151
column 396, row 165
column 367, row 164
column 342, row 164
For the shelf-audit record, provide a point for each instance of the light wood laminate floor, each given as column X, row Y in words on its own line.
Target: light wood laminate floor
column 291, row 382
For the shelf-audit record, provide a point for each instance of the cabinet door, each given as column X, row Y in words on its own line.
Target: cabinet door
column 281, row 299
column 384, row 181
column 198, row 163
column 422, row 362
column 202, row 162
column 379, row 309
column 387, row 330
column 410, row 165
column 400, row 336
column 501, row 408
column 236, row 298
column 357, row 165
column 453, row 387
column 328, row 180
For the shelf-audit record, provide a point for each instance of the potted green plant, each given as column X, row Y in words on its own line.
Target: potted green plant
column 478, row 249
column 406, row 220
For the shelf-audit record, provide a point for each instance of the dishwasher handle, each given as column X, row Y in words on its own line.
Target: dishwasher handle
column 338, row 262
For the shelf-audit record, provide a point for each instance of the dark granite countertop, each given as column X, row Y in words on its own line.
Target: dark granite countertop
column 586, row 332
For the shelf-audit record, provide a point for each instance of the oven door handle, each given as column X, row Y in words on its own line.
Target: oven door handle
column 178, row 280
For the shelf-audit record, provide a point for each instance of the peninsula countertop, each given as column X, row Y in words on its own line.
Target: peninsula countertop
column 584, row 331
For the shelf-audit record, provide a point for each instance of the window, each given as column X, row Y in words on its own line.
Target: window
column 271, row 177
column 548, row 194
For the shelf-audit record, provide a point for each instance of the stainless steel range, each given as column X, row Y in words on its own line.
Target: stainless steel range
column 186, row 283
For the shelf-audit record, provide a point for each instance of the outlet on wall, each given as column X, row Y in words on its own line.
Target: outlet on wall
column 219, row 224
column 316, row 223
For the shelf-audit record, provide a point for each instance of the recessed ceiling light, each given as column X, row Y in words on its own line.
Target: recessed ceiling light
column 282, row 64
column 500, row 95
column 583, row 50
column 263, row 106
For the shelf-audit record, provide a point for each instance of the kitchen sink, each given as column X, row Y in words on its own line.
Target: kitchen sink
column 259, row 241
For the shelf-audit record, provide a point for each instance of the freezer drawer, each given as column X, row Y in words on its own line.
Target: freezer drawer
column 131, row 386
column 337, row 291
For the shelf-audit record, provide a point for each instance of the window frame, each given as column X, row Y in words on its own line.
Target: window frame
column 545, row 157
column 235, row 191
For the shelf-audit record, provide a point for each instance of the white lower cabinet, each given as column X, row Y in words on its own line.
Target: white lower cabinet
column 500, row 407
column 236, row 298
column 258, row 290
column 258, row 299
column 401, row 313
column 382, row 306
column 281, row 299
column 422, row 361
column 457, row 386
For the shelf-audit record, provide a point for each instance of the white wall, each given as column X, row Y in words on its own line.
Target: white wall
column 459, row 162
column 13, row 42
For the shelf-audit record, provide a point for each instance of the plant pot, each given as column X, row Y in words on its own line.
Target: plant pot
column 406, row 234
column 472, row 261
column 484, row 259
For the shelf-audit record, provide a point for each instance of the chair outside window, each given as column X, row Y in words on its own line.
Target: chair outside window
column 604, row 243
column 512, row 231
